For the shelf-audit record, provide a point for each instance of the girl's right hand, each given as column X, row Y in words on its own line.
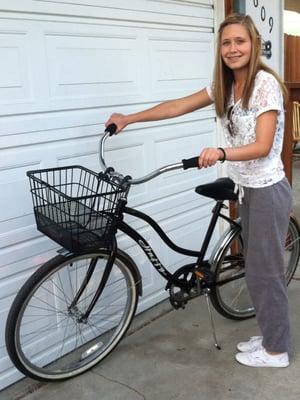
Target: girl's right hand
column 120, row 120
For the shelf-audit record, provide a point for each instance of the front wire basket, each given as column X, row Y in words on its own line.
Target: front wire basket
column 75, row 206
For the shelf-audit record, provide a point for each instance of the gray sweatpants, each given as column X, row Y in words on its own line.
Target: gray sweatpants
column 265, row 216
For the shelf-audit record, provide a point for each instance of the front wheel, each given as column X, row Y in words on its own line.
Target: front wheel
column 230, row 296
column 46, row 336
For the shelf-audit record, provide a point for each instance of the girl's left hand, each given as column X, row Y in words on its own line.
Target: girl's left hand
column 209, row 157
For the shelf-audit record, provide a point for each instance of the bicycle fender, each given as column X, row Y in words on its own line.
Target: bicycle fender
column 225, row 238
column 136, row 272
column 296, row 222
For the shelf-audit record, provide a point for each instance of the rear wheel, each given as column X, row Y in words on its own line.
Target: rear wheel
column 230, row 296
column 45, row 335
column 292, row 249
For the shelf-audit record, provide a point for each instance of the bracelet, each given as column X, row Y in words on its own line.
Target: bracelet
column 224, row 154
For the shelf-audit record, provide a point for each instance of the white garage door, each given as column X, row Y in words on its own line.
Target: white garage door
column 66, row 65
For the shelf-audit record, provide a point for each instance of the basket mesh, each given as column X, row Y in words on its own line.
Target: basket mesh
column 75, row 206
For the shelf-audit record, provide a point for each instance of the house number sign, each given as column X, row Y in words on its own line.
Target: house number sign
column 265, row 18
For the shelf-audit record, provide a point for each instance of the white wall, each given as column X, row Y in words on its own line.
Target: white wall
column 291, row 23
column 263, row 12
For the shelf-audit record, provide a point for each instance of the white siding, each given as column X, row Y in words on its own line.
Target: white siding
column 65, row 67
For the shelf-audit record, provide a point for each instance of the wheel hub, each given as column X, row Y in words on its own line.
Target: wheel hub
column 77, row 315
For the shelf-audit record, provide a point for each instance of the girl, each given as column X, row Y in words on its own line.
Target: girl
column 248, row 98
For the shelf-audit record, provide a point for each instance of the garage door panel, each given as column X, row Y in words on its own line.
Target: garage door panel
column 167, row 59
column 9, row 376
column 24, row 230
column 186, row 13
column 180, row 7
column 183, row 142
column 8, row 373
column 15, row 198
column 104, row 65
column 34, row 129
column 24, row 253
column 186, row 142
column 17, row 270
column 124, row 67
column 11, row 193
column 13, row 281
column 17, row 230
column 16, row 219
column 45, row 128
column 15, row 79
column 4, row 304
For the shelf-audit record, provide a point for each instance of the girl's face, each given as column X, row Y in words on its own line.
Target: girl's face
column 235, row 46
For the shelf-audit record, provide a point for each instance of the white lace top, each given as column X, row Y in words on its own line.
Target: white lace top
column 264, row 171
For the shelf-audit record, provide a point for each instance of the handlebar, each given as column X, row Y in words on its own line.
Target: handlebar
column 184, row 164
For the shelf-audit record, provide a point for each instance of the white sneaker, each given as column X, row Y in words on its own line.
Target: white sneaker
column 260, row 358
column 255, row 343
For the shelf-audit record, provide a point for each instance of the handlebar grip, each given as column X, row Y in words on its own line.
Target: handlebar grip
column 112, row 129
column 190, row 163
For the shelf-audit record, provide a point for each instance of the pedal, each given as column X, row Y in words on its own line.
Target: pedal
column 179, row 300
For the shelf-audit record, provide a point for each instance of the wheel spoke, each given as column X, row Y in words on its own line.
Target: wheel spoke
column 230, row 296
column 53, row 340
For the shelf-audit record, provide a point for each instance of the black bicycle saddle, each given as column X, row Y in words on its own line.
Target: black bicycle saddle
column 220, row 189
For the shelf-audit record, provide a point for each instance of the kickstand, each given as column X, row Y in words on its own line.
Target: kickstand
column 207, row 297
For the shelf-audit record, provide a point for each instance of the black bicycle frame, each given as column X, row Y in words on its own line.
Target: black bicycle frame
column 90, row 271
column 148, row 250
column 145, row 246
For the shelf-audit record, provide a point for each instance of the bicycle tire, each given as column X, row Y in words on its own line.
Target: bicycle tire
column 44, row 337
column 292, row 245
column 232, row 299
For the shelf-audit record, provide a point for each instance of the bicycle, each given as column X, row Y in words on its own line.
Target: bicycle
column 75, row 309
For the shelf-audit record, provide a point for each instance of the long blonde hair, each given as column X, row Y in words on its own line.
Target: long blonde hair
column 223, row 76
